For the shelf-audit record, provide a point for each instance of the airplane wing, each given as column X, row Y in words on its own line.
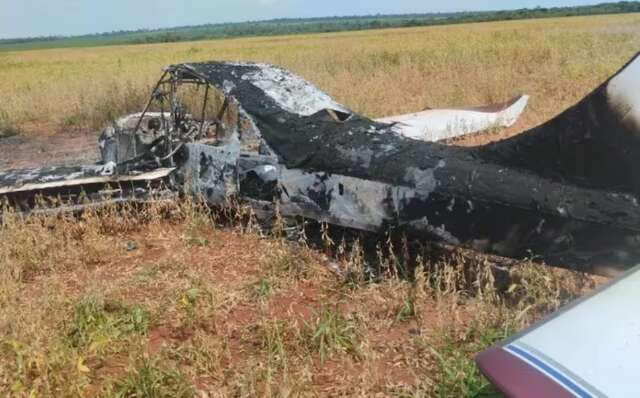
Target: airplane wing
column 441, row 124
column 591, row 348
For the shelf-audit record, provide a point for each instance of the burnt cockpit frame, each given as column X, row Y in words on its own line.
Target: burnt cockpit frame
column 157, row 135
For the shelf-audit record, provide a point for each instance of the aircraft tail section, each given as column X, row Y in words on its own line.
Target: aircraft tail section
column 595, row 143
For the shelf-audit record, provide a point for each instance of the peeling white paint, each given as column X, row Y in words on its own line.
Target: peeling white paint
column 452, row 204
column 108, row 169
column 423, row 180
column 228, row 86
column 292, row 92
column 359, row 155
column 353, row 202
column 469, row 207
column 441, row 232
column 63, row 182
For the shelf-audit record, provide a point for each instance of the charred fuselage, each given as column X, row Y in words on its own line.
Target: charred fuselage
column 263, row 135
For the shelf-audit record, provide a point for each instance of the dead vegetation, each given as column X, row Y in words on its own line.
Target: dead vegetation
column 556, row 61
column 8, row 127
column 165, row 300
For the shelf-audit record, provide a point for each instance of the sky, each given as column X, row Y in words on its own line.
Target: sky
column 31, row 18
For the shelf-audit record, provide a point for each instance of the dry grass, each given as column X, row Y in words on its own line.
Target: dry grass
column 160, row 302
column 374, row 72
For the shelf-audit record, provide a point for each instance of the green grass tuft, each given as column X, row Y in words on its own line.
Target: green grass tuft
column 147, row 380
column 7, row 126
column 96, row 322
column 331, row 333
column 458, row 375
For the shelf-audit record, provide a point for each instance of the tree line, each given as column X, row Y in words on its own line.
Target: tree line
column 325, row 24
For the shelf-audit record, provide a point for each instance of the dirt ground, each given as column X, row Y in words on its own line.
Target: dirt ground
column 240, row 314
column 54, row 149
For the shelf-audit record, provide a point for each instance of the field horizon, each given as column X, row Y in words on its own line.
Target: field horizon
column 556, row 61
column 322, row 24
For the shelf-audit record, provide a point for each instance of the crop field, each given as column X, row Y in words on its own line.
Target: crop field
column 179, row 300
column 376, row 73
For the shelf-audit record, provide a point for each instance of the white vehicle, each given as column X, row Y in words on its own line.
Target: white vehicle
column 591, row 348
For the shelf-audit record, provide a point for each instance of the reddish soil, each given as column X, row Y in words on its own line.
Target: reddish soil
column 25, row 151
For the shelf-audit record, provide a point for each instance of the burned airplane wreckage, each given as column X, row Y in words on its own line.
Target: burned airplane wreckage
column 565, row 192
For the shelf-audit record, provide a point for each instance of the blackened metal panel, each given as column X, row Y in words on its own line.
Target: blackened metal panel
column 209, row 172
